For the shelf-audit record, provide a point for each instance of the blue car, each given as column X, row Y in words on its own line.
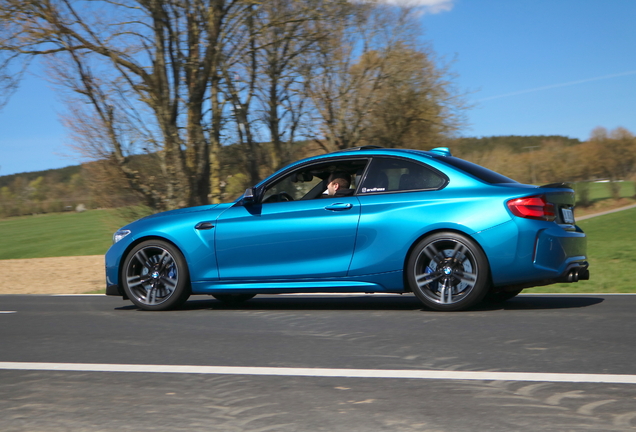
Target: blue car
column 361, row 220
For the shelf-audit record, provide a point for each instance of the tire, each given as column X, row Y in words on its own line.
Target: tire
column 155, row 276
column 448, row 272
column 501, row 296
column 233, row 299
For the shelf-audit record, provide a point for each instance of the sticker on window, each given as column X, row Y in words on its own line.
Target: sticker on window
column 377, row 189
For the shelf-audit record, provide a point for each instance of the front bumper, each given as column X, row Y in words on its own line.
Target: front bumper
column 112, row 261
column 115, row 290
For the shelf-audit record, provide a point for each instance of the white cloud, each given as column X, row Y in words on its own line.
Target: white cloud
column 426, row 6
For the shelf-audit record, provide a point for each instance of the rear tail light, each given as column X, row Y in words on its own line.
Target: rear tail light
column 534, row 207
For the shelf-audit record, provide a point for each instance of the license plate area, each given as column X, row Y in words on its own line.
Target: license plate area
column 568, row 215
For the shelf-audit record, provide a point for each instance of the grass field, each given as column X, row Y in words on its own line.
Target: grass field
column 611, row 244
column 58, row 234
column 599, row 191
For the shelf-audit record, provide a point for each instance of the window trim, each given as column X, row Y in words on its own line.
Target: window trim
column 323, row 161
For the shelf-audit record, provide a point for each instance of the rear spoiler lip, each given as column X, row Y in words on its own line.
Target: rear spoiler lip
column 558, row 185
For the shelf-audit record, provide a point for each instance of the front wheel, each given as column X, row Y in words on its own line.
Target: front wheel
column 155, row 276
column 448, row 272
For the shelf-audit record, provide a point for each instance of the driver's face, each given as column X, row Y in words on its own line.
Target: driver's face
column 332, row 188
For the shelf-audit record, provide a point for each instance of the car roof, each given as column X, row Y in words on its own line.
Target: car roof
column 375, row 150
column 354, row 151
column 438, row 154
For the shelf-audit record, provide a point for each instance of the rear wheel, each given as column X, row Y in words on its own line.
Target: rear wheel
column 155, row 276
column 448, row 272
column 233, row 299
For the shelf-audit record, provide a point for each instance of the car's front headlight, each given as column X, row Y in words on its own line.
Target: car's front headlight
column 120, row 234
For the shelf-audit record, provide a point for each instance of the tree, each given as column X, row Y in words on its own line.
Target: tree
column 11, row 71
column 290, row 33
column 416, row 106
column 146, row 69
column 263, row 78
column 370, row 83
column 613, row 156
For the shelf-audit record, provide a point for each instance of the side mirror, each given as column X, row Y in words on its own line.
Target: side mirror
column 248, row 196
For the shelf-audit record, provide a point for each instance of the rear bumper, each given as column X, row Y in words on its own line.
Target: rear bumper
column 533, row 253
column 574, row 273
column 557, row 249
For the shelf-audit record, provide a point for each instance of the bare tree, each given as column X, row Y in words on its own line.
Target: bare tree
column 613, row 156
column 372, row 82
column 147, row 70
column 239, row 71
column 11, row 71
column 285, row 44
column 417, row 105
column 333, row 88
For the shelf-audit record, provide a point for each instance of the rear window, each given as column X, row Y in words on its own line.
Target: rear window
column 397, row 175
column 483, row 174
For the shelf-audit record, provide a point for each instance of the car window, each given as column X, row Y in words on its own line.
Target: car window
column 310, row 182
column 478, row 171
column 296, row 185
column 395, row 175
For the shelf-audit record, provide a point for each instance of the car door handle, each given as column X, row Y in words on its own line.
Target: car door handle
column 339, row 206
column 204, row 226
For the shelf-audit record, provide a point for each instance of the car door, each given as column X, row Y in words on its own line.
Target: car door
column 304, row 238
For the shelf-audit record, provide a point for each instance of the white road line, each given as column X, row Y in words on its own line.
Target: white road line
column 7, row 312
column 325, row 373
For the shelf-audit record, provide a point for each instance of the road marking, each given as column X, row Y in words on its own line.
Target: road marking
column 324, row 373
column 7, row 312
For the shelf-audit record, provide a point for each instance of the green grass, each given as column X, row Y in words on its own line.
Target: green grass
column 611, row 246
column 59, row 234
column 599, row 191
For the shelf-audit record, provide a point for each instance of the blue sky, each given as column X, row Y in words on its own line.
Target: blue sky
column 530, row 67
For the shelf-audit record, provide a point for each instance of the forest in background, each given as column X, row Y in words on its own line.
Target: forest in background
column 607, row 155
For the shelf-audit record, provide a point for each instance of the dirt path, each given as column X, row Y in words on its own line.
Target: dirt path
column 61, row 275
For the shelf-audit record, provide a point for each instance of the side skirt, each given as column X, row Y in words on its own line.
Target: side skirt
column 381, row 283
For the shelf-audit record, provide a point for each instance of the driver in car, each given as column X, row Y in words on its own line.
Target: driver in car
column 339, row 183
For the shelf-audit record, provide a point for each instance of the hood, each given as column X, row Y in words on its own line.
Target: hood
column 182, row 211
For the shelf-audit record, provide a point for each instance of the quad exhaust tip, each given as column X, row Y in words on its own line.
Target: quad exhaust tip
column 578, row 274
column 573, row 275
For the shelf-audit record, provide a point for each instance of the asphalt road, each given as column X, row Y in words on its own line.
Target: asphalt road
column 585, row 335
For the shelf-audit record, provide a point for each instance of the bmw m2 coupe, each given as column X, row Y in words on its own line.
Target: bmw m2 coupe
column 360, row 220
